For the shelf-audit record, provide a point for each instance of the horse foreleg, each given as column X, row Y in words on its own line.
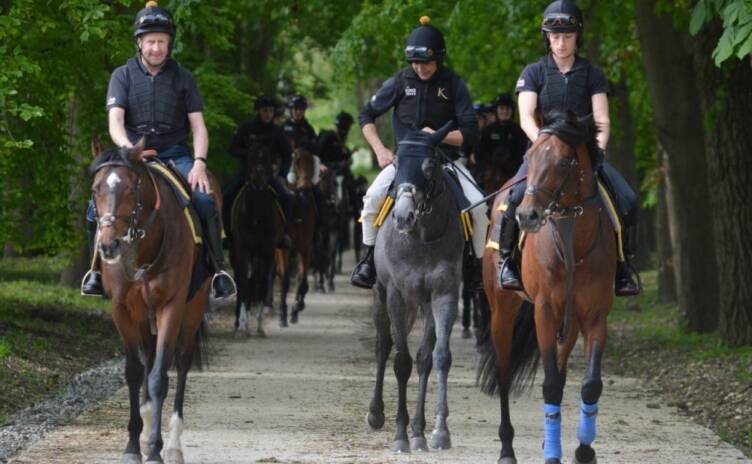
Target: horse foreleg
column 592, row 386
column 425, row 363
column 444, row 313
column 553, row 382
column 403, row 366
column 134, row 374
column 375, row 417
column 167, row 329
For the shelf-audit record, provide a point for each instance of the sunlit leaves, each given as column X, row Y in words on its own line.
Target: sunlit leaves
column 736, row 15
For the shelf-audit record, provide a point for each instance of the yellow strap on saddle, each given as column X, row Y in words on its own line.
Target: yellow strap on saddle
column 614, row 220
column 467, row 225
column 385, row 208
column 180, row 190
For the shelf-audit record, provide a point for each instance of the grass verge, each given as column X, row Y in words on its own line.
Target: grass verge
column 699, row 374
column 48, row 333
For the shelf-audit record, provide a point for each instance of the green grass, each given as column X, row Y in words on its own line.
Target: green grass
column 662, row 324
column 48, row 333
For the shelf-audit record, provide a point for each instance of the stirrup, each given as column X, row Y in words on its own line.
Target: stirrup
column 83, row 280
column 216, row 276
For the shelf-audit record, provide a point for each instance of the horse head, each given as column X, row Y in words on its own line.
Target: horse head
column 119, row 177
column 418, row 177
column 560, row 161
column 258, row 166
column 302, row 165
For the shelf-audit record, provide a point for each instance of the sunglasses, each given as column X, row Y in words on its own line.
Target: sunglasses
column 418, row 52
column 157, row 18
column 560, row 20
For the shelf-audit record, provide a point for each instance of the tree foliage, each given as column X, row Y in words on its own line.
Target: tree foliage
column 736, row 15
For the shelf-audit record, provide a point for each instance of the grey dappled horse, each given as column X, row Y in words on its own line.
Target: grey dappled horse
column 418, row 258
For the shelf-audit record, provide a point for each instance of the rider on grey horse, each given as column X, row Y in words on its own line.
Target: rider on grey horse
column 424, row 96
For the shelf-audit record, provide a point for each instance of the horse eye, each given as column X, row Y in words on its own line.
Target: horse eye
column 564, row 164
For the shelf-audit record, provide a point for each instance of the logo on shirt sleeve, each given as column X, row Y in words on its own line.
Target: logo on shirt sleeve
column 111, row 101
column 520, row 83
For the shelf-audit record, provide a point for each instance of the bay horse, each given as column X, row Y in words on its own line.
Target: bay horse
column 256, row 229
column 418, row 254
column 301, row 229
column 147, row 250
column 325, row 254
column 568, row 265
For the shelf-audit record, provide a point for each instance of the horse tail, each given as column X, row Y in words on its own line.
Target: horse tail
column 200, row 347
column 524, row 356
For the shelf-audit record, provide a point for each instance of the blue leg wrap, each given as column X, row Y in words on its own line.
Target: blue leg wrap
column 586, row 428
column 552, row 431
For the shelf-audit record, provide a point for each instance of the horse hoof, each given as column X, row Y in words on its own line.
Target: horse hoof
column 283, row 323
column 466, row 333
column 130, row 458
column 400, row 446
column 173, row 456
column 261, row 333
column 375, row 420
column 553, row 461
column 294, row 318
column 440, row 439
column 154, row 461
column 584, row 454
column 418, row 444
column 507, row 460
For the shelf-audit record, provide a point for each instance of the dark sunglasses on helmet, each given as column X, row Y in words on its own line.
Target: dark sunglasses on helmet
column 418, row 52
column 155, row 18
column 560, row 20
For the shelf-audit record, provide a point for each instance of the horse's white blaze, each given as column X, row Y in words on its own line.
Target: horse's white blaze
column 112, row 180
column 147, row 418
column 176, row 430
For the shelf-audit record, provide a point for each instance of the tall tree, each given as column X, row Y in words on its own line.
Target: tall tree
column 678, row 124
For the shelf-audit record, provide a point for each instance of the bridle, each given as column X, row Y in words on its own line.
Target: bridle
column 553, row 206
column 426, row 205
column 134, row 233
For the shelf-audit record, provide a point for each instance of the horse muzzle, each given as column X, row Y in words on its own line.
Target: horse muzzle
column 530, row 219
column 405, row 213
column 110, row 250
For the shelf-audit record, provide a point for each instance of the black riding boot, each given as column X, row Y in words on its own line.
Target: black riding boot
column 364, row 274
column 627, row 281
column 91, row 284
column 509, row 275
column 222, row 284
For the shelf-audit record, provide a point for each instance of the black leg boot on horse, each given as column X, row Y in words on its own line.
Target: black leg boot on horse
column 222, row 284
column 509, row 273
column 91, row 284
column 627, row 281
column 364, row 274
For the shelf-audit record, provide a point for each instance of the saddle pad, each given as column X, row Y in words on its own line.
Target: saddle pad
column 605, row 200
column 183, row 196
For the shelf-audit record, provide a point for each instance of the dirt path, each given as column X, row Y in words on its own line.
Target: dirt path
column 301, row 395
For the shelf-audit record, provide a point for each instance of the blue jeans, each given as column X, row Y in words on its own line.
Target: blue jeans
column 181, row 156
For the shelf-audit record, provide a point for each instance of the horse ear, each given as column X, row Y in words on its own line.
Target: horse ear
column 96, row 147
column 439, row 135
column 136, row 153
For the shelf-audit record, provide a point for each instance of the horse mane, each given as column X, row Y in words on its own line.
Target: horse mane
column 302, row 160
column 115, row 156
column 573, row 130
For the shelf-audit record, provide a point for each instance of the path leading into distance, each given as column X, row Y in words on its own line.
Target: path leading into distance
column 301, row 395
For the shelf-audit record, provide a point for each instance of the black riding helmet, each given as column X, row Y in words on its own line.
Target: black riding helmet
column 298, row 101
column 562, row 16
column 153, row 18
column 264, row 101
column 504, row 99
column 425, row 43
column 343, row 120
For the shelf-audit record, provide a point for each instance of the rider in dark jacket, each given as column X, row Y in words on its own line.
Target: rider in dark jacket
column 260, row 132
column 154, row 98
column 502, row 143
column 298, row 131
column 563, row 80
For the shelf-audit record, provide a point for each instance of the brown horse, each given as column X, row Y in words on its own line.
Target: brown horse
column 148, row 251
column 568, row 257
column 301, row 228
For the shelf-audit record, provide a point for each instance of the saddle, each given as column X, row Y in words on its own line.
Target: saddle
column 167, row 171
column 240, row 194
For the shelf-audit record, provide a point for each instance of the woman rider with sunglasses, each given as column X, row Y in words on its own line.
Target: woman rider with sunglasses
column 564, row 80
column 425, row 96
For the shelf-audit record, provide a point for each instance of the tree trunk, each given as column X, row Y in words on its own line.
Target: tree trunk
column 664, row 249
column 726, row 97
column 78, row 262
column 670, row 78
